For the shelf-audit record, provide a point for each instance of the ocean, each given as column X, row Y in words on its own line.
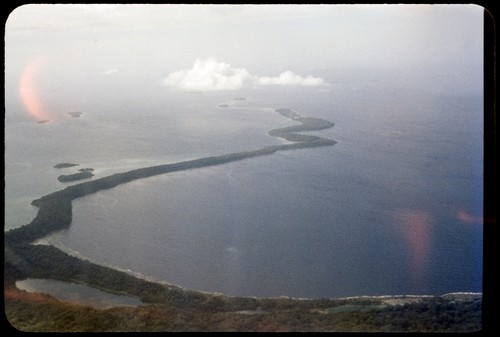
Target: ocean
column 395, row 207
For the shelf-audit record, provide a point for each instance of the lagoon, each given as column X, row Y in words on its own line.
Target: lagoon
column 379, row 213
column 77, row 293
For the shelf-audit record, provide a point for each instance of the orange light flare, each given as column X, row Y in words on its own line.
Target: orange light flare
column 29, row 93
column 415, row 227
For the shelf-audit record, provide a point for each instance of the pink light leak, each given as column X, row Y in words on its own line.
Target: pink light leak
column 466, row 217
column 415, row 227
column 28, row 90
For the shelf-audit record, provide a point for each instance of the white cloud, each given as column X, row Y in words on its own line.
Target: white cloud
column 290, row 78
column 211, row 75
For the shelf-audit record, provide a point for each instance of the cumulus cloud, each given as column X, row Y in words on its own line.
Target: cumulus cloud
column 211, row 75
column 290, row 78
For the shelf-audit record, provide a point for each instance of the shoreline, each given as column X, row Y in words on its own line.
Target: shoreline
column 391, row 300
column 78, row 255
column 55, row 209
column 60, row 202
column 28, row 255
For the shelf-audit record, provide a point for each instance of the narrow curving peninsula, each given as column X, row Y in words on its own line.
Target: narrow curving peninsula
column 55, row 208
column 307, row 124
column 172, row 308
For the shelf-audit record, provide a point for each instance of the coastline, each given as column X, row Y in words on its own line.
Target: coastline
column 24, row 259
column 399, row 299
column 55, row 209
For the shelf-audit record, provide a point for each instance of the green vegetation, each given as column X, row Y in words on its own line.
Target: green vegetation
column 41, row 313
column 307, row 124
column 288, row 113
column 64, row 165
column 171, row 308
column 83, row 174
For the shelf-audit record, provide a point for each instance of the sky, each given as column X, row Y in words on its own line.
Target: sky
column 231, row 47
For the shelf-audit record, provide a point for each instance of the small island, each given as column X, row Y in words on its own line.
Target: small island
column 42, row 121
column 223, row 105
column 64, row 165
column 75, row 114
column 288, row 113
column 87, row 169
column 85, row 174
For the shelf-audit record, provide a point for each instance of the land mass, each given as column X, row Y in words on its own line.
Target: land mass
column 75, row 114
column 449, row 313
column 64, row 165
column 83, row 174
column 171, row 308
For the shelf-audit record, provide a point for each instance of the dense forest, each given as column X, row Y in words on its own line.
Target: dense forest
column 42, row 313
column 64, row 178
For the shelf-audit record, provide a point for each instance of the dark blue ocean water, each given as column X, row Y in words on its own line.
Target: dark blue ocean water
column 394, row 208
